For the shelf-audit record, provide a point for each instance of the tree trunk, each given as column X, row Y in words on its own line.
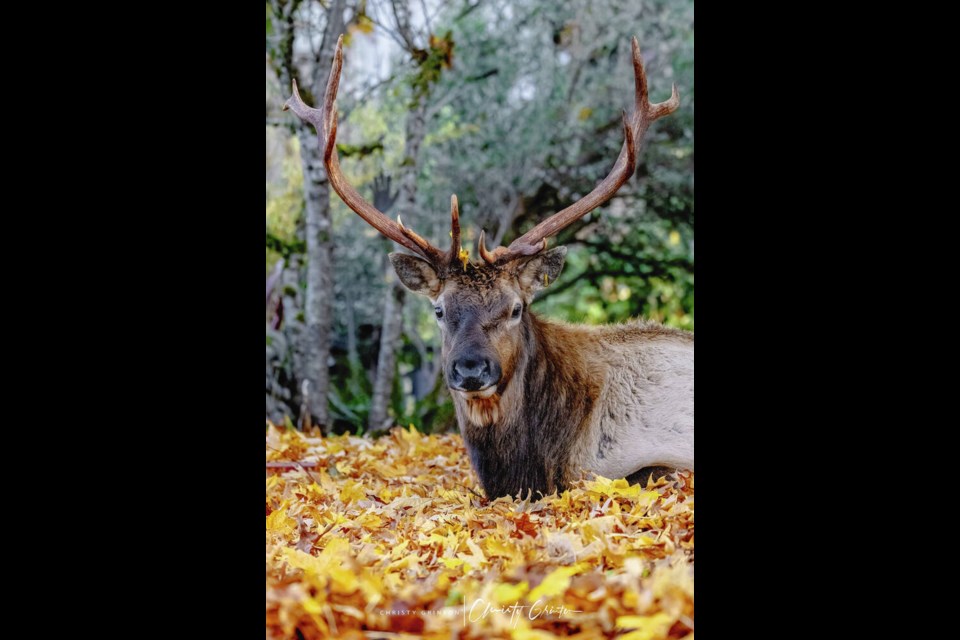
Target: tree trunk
column 393, row 307
column 316, row 188
column 318, row 308
column 319, row 302
column 353, row 353
column 387, row 358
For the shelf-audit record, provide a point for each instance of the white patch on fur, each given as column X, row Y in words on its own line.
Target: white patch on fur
column 646, row 410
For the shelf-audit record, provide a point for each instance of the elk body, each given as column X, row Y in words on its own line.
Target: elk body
column 539, row 402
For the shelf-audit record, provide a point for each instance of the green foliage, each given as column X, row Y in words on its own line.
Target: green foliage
column 358, row 150
column 430, row 64
column 284, row 248
column 350, row 401
column 284, row 199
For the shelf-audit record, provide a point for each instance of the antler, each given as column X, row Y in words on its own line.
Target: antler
column 633, row 129
column 325, row 122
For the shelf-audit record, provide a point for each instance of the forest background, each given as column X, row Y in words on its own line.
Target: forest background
column 515, row 106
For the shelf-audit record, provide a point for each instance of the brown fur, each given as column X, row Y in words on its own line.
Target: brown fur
column 484, row 410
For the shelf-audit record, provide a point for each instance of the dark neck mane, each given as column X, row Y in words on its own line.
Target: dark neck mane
column 542, row 410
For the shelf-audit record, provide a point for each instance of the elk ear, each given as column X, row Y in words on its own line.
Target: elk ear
column 416, row 274
column 541, row 270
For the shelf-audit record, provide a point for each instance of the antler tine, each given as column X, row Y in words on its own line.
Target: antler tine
column 482, row 250
column 633, row 129
column 502, row 255
column 325, row 122
column 440, row 258
column 454, row 228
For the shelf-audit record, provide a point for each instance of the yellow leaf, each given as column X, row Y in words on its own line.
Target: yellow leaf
column 412, row 436
column 556, row 582
column 521, row 633
column 404, row 563
column 453, row 496
column 371, row 587
column 646, row 627
column 370, row 521
column 364, row 24
column 475, row 549
column 434, row 538
column 352, row 491
column 476, row 557
column 647, row 497
column 620, row 488
column 510, row 593
column 311, row 606
column 344, row 580
column 280, row 522
column 674, row 238
column 599, row 528
column 496, row 547
column 451, row 563
column 335, row 548
column 398, row 550
column 328, row 565
column 327, row 484
column 392, row 581
column 641, row 541
column 334, row 519
column 334, row 446
column 274, row 438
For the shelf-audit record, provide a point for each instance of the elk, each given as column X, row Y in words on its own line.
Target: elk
column 539, row 402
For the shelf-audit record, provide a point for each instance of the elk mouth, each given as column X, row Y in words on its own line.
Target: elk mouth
column 478, row 394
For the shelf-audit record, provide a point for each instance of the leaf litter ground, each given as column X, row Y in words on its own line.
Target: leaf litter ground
column 392, row 538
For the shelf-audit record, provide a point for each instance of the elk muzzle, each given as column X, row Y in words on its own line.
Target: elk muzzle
column 473, row 372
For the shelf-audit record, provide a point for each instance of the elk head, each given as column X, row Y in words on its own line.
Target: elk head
column 480, row 306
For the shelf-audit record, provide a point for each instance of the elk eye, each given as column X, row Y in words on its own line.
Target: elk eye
column 438, row 311
column 516, row 310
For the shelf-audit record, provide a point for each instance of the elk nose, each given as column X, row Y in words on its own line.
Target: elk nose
column 471, row 373
column 471, row 368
